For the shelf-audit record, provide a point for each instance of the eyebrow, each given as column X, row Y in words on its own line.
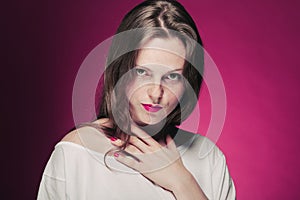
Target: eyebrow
column 179, row 69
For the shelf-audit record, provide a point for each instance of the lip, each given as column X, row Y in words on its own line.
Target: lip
column 152, row 107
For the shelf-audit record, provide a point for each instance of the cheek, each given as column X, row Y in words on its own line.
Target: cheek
column 130, row 90
column 134, row 92
column 174, row 94
column 136, row 87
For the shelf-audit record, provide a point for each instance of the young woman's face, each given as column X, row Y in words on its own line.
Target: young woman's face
column 157, row 85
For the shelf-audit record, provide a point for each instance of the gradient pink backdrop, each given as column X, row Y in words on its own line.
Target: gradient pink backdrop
column 254, row 44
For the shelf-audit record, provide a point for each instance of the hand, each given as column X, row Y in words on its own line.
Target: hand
column 159, row 162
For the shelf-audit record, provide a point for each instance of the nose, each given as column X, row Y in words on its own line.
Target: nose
column 155, row 92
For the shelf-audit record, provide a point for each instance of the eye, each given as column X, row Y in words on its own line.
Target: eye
column 174, row 76
column 140, row 72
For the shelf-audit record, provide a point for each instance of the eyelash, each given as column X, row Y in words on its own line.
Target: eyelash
column 178, row 77
column 142, row 72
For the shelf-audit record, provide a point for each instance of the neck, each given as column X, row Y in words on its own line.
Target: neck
column 160, row 131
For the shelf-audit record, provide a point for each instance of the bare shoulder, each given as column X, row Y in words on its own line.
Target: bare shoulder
column 73, row 136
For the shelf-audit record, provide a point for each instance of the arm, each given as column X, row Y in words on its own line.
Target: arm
column 188, row 188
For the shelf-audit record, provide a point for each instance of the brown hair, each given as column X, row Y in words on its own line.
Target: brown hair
column 153, row 18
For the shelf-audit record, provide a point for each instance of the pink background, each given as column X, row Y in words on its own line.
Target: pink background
column 254, row 44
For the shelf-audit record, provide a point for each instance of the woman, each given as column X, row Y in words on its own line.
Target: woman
column 150, row 87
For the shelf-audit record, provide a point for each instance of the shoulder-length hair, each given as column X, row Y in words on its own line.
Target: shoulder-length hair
column 153, row 19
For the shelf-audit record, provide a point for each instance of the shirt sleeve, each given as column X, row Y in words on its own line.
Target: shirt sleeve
column 53, row 183
column 223, row 186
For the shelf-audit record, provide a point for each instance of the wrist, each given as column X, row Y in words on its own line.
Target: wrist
column 187, row 188
column 184, row 180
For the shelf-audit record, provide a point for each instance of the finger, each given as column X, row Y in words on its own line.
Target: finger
column 133, row 149
column 133, row 140
column 139, row 132
column 138, row 143
column 162, row 143
column 144, row 136
column 116, row 142
column 127, row 159
column 146, row 145
column 170, row 142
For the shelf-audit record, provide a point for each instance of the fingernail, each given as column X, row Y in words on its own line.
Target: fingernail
column 113, row 138
column 116, row 154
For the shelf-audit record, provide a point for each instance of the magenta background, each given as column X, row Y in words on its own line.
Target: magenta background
column 254, row 44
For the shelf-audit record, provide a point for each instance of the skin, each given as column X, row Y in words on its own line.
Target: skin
column 157, row 161
column 158, row 81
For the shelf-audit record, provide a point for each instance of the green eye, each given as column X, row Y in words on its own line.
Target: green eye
column 174, row 76
column 140, row 72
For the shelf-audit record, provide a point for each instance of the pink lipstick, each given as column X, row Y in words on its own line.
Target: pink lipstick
column 151, row 107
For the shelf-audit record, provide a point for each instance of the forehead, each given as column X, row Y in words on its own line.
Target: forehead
column 164, row 52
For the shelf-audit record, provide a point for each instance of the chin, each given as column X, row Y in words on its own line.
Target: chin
column 146, row 123
column 145, row 119
column 151, row 122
